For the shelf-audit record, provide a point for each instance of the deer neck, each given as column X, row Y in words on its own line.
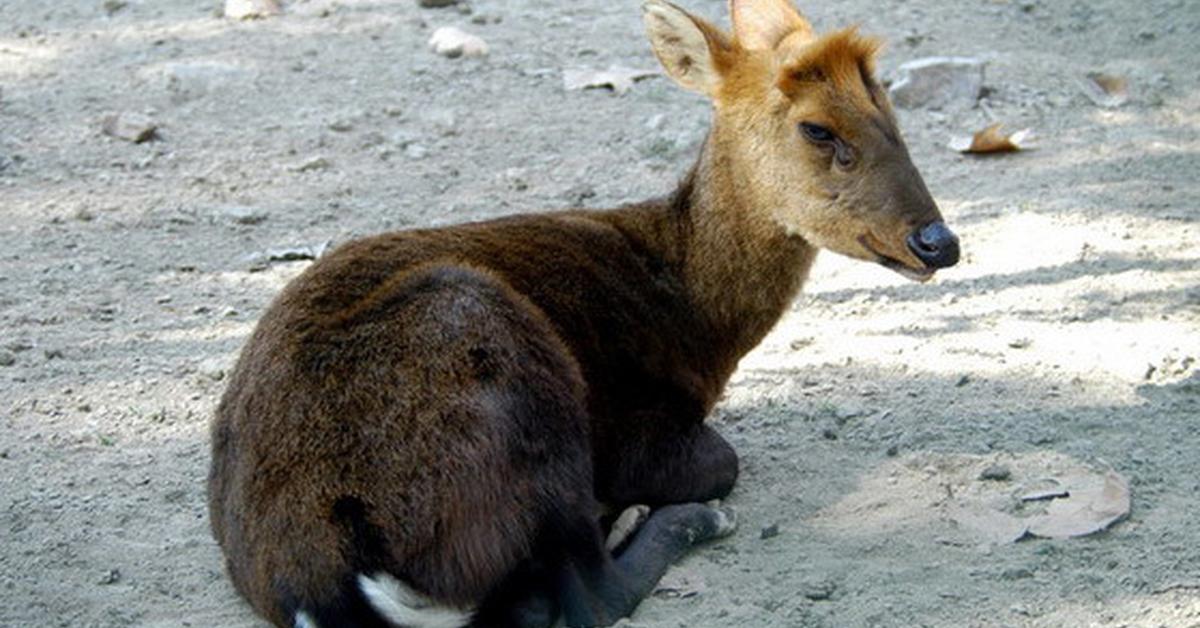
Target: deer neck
column 741, row 268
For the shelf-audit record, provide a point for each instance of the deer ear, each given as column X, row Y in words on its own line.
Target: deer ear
column 692, row 51
column 762, row 24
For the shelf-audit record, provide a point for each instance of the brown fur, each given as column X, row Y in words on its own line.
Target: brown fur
column 424, row 402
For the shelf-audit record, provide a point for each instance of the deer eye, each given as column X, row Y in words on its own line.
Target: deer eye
column 816, row 133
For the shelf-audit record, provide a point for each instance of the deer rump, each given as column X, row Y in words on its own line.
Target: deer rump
column 421, row 423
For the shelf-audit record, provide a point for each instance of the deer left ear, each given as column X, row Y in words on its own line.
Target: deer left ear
column 692, row 51
column 763, row 24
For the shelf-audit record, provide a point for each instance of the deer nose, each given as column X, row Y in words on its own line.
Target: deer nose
column 935, row 244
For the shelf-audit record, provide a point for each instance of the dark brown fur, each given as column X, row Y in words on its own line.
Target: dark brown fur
column 439, row 404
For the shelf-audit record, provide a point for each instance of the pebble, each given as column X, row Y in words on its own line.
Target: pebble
column 112, row 7
column 312, row 164
column 7, row 359
column 996, row 472
column 131, row 127
column 436, row 4
column 112, row 577
column 452, row 43
column 251, row 9
column 818, row 590
column 769, row 532
column 938, row 82
column 242, row 215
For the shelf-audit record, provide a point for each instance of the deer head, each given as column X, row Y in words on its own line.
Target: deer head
column 805, row 132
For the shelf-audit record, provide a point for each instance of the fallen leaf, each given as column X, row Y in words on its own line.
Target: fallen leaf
column 1106, row 90
column 991, row 140
column 617, row 78
column 1094, row 503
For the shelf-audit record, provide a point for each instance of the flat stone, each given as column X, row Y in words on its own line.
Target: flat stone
column 131, row 127
column 251, row 9
column 938, row 83
column 452, row 43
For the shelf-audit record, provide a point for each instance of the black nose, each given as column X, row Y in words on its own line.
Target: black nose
column 935, row 244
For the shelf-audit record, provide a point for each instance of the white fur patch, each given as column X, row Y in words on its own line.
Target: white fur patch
column 304, row 621
column 399, row 604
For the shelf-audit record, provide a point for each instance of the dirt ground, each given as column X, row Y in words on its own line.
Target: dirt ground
column 131, row 274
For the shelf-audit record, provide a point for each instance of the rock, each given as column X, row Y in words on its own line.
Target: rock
column 113, row 576
column 996, row 473
column 452, row 43
column 938, row 82
column 818, row 590
column 312, row 165
column 769, row 532
column 436, row 4
column 7, row 359
column 111, row 7
column 251, row 9
column 242, row 215
column 131, row 127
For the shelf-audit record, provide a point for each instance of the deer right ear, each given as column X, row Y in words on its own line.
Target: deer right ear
column 692, row 51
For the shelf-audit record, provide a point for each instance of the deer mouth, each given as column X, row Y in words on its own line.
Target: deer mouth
column 922, row 274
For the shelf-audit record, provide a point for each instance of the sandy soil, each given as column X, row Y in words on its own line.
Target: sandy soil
column 131, row 274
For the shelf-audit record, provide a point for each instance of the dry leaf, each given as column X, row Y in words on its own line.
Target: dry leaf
column 992, row 140
column 1095, row 502
column 617, row 78
column 1106, row 90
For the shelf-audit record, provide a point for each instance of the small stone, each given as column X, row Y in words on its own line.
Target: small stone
column 1017, row 573
column 112, row 577
column 341, row 126
column 769, row 532
column 7, row 359
column 483, row 19
column 112, row 7
column 163, row 299
column 938, row 82
column 131, row 127
column 313, row 164
column 243, row 215
column 996, row 473
column 963, row 381
column 453, row 43
column 436, row 4
column 818, row 590
column 53, row 354
column 251, row 9
column 1020, row 343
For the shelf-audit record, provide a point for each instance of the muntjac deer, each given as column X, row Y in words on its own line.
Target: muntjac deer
column 422, row 428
